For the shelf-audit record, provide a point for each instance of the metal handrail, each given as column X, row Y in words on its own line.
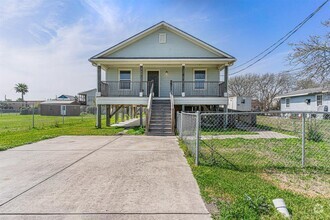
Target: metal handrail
column 149, row 107
column 172, row 112
column 125, row 88
column 198, row 88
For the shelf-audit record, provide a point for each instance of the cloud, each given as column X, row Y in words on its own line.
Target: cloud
column 57, row 61
column 10, row 9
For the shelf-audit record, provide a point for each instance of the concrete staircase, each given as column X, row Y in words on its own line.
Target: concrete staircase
column 160, row 122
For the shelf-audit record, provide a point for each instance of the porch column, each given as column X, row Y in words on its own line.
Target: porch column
column 116, row 114
column 141, row 119
column 226, row 81
column 183, row 72
column 98, row 112
column 141, row 77
column 123, row 113
column 107, row 115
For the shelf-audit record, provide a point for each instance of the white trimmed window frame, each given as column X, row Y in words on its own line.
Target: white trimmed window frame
column 120, row 80
column 196, row 80
column 317, row 104
column 287, row 103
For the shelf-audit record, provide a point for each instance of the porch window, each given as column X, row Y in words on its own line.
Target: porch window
column 287, row 102
column 200, row 78
column 319, row 100
column 124, row 79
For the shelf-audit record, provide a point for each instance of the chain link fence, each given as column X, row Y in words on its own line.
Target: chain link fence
column 258, row 140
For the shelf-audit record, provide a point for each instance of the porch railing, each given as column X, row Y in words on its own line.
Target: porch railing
column 125, row 88
column 149, row 108
column 198, row 88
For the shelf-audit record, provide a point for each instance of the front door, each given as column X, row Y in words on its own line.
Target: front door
column 154, row 76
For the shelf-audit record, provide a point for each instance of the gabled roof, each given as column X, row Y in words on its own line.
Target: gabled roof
column 303, row 92
column 169, row 27
column 85, row 92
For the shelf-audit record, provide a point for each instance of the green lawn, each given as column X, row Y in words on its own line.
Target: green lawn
column 245, row 194
column 16, row 130
column 222, row 131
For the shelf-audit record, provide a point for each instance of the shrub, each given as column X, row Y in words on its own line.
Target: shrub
column 313, row 132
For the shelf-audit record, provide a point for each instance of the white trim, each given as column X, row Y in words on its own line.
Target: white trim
column 316, row 99
column 156, row 70
column 121, row 69
column 121, row 100
column 200, row 100
column 205, row 84
column 286, row 103
column 137, row 61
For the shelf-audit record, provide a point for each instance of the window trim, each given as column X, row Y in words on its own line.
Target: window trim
column 321, row 99
column 205, row 85
column 131, row 73
column 287, row 105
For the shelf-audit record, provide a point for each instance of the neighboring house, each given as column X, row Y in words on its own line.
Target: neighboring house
column 315, row 99
column 66, row 98
column 87, row 97
column 60, row 107
column 162, row 68
column 240, row 103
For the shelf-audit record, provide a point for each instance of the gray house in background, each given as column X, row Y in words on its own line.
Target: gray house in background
column 87, row 97
column 314, row 99
column 163, row 70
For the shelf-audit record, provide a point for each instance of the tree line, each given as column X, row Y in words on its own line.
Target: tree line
column 311, row 59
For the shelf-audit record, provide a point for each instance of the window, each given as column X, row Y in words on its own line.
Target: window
column 124, row 79
column 319, row 100
column 243, row 101
column 162, row 38
column 287, row 102
column 200, row 78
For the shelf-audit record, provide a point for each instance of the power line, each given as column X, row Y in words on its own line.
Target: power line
column 280, row 41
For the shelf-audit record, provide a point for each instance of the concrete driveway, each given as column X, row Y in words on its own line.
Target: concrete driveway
column 94, row 177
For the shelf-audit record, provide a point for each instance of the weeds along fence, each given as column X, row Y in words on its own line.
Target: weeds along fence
column 258, row 140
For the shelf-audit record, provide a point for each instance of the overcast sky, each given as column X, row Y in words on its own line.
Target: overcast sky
column 46, row 43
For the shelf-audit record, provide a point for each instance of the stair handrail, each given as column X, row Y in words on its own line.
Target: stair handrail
column 149, row 107
column 172, row 111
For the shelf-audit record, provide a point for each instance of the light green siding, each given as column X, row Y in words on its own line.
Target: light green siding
column 175, row 46
column 173, row 73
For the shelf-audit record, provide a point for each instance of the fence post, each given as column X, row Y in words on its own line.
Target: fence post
column 303, row 140
column 198, row 117
column 33, row 116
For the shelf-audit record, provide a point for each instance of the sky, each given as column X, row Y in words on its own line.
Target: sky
column 47, row 43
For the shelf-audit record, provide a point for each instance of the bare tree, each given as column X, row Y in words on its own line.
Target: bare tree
column 313, row 56
column 264, row 87
column 242, row 85
column 270, row 85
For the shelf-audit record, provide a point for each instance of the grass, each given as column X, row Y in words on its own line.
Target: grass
column 16, row 130
column 246, row 194
column 260, row 154
column 222, row 131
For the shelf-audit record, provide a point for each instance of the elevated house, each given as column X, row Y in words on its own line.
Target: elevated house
column 87, row 97
column 165, row 70
column 306, row 100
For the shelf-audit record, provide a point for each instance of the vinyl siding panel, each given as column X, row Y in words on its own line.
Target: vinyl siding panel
column 175, row 46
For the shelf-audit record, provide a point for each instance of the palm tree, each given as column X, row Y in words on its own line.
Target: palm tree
column 21, row 88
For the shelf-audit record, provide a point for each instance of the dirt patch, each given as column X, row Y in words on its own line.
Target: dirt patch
column 311, row 185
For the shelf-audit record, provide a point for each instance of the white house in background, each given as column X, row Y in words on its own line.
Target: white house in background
column 240, row 103
column 162, row 68
column 315, row 99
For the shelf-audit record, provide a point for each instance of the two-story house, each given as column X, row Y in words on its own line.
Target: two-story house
column 163, row 69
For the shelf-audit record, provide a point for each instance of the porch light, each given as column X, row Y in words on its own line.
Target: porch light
column 166, row 73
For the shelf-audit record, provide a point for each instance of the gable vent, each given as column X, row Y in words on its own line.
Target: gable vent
column 162, row 38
